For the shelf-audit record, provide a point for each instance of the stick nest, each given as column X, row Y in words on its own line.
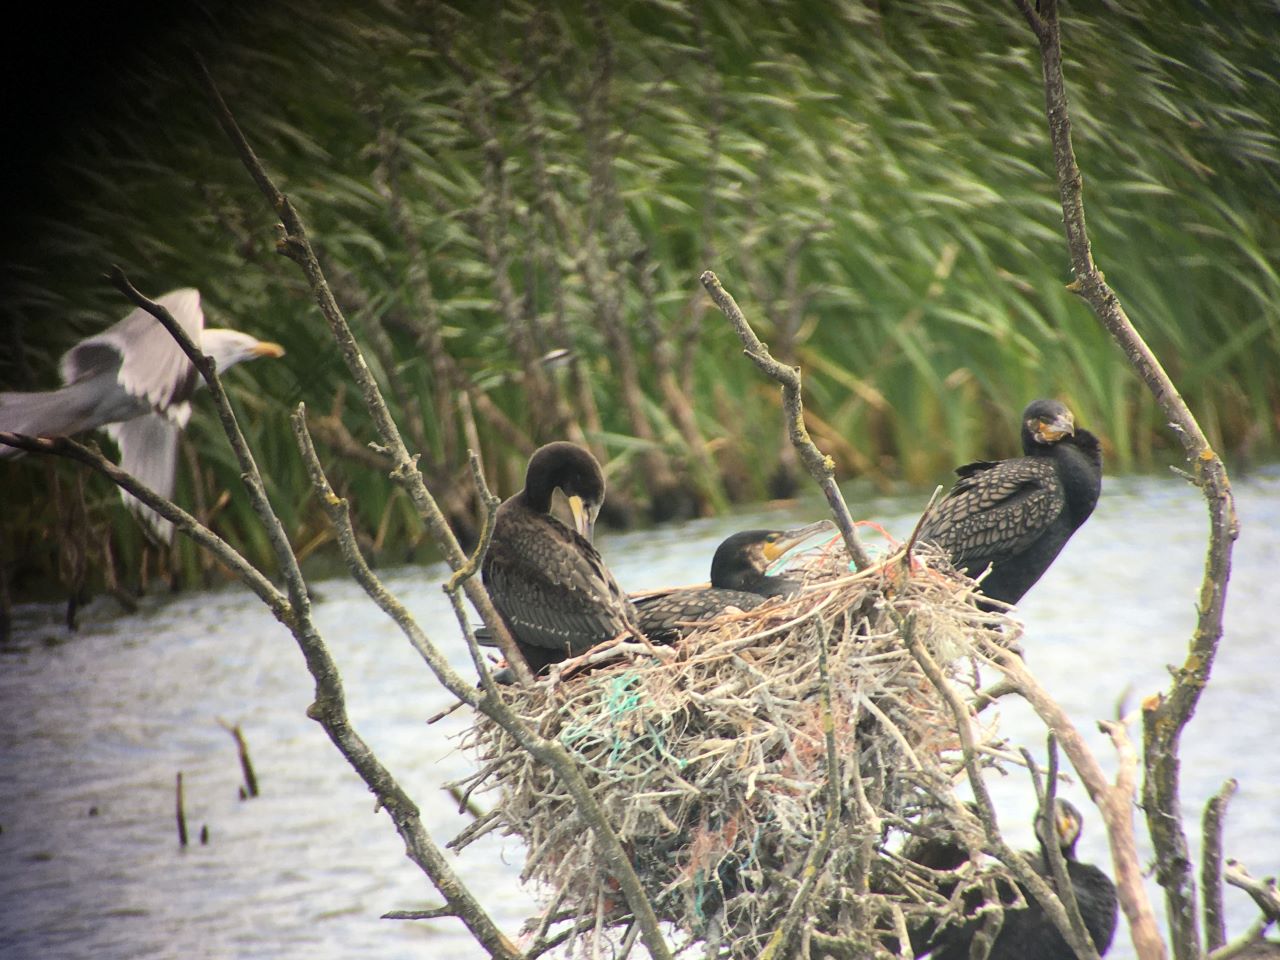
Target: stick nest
column 713, row 765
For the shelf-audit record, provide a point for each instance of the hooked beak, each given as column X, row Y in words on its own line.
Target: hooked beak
column 1052, row 431
column 265, row 348
column 793, row 538
column 584, row 518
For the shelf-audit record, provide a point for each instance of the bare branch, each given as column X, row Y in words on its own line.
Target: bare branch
column 295, row 244
column 1027, row 878
column 1251, row 946
column 182, row 521
column 1054, row 859
column 1264, row 892
column 1215, row 924
column 1115, row 801
column 820, row 467
column 1164, row 716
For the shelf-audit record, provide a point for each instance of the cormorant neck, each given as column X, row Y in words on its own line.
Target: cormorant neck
column 537, row 494
column 563, row 465
column 743, row 578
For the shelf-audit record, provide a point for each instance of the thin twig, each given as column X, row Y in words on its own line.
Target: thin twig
column 432, row 913
column 1054, row 859
column 181, row 810
column 1215, row 923
column 1264, row 892
column 820, row 467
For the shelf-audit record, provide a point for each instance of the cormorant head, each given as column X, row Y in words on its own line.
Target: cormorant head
column 745, row 557
column 573, row 471
column 1066, row 825
column 1044, row 423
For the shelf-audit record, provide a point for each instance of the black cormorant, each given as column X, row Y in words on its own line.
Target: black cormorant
column 547, row 581
column 739, row 578
column 1027, row 931
column 1015, row 515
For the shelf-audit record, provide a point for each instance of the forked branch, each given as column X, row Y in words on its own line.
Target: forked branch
column 1164, row 715
column 820, row 467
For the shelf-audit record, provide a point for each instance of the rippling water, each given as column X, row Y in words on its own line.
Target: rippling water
column 96, row 725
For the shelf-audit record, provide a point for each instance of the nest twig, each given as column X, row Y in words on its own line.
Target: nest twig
column 713, row 763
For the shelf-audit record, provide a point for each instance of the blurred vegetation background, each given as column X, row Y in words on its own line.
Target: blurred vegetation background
column 513, row 202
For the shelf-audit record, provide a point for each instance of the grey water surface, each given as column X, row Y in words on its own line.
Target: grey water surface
column 96, row 725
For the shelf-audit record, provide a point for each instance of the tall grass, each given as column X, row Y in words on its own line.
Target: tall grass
column 493, row 181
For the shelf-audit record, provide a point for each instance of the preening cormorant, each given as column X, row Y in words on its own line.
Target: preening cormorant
column 739, row 578
column 1027, row 931
column 134, row 380
column 547, row 581
column 1016, row 515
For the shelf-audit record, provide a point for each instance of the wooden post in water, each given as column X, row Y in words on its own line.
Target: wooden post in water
column 182, row 814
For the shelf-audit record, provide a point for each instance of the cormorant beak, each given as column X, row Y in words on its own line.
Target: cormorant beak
column 1066, row 827
column 1051, row 431
column 584, row 517
column 790, row 539
column 264, row 348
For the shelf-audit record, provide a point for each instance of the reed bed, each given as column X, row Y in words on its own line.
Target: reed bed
column 713, row 764
column 871, row 182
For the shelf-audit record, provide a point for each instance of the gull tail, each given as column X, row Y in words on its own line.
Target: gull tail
column 72, row 409
column 52, row 413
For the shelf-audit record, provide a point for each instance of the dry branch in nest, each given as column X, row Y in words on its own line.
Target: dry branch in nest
column 713, row 764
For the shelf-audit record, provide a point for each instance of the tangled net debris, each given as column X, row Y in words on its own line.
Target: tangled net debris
column 713, row 765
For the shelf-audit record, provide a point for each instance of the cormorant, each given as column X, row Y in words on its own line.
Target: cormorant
column 739, row 578
column 134, row 380
column 547, row 581
column 1016, row 515
column 1027, row 931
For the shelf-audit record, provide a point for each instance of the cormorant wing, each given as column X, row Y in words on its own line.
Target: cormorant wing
column 555, row 592
column 662, row 615
column 996, row 509
column 148, row 361
column 977, row 466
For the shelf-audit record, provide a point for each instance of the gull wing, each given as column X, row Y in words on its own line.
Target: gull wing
column 149, row 451
column 148, row 361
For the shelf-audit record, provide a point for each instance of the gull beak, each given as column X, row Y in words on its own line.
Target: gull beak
column 1051, row 431
column 265, row 348
column 584, row 517
column 791, row 539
